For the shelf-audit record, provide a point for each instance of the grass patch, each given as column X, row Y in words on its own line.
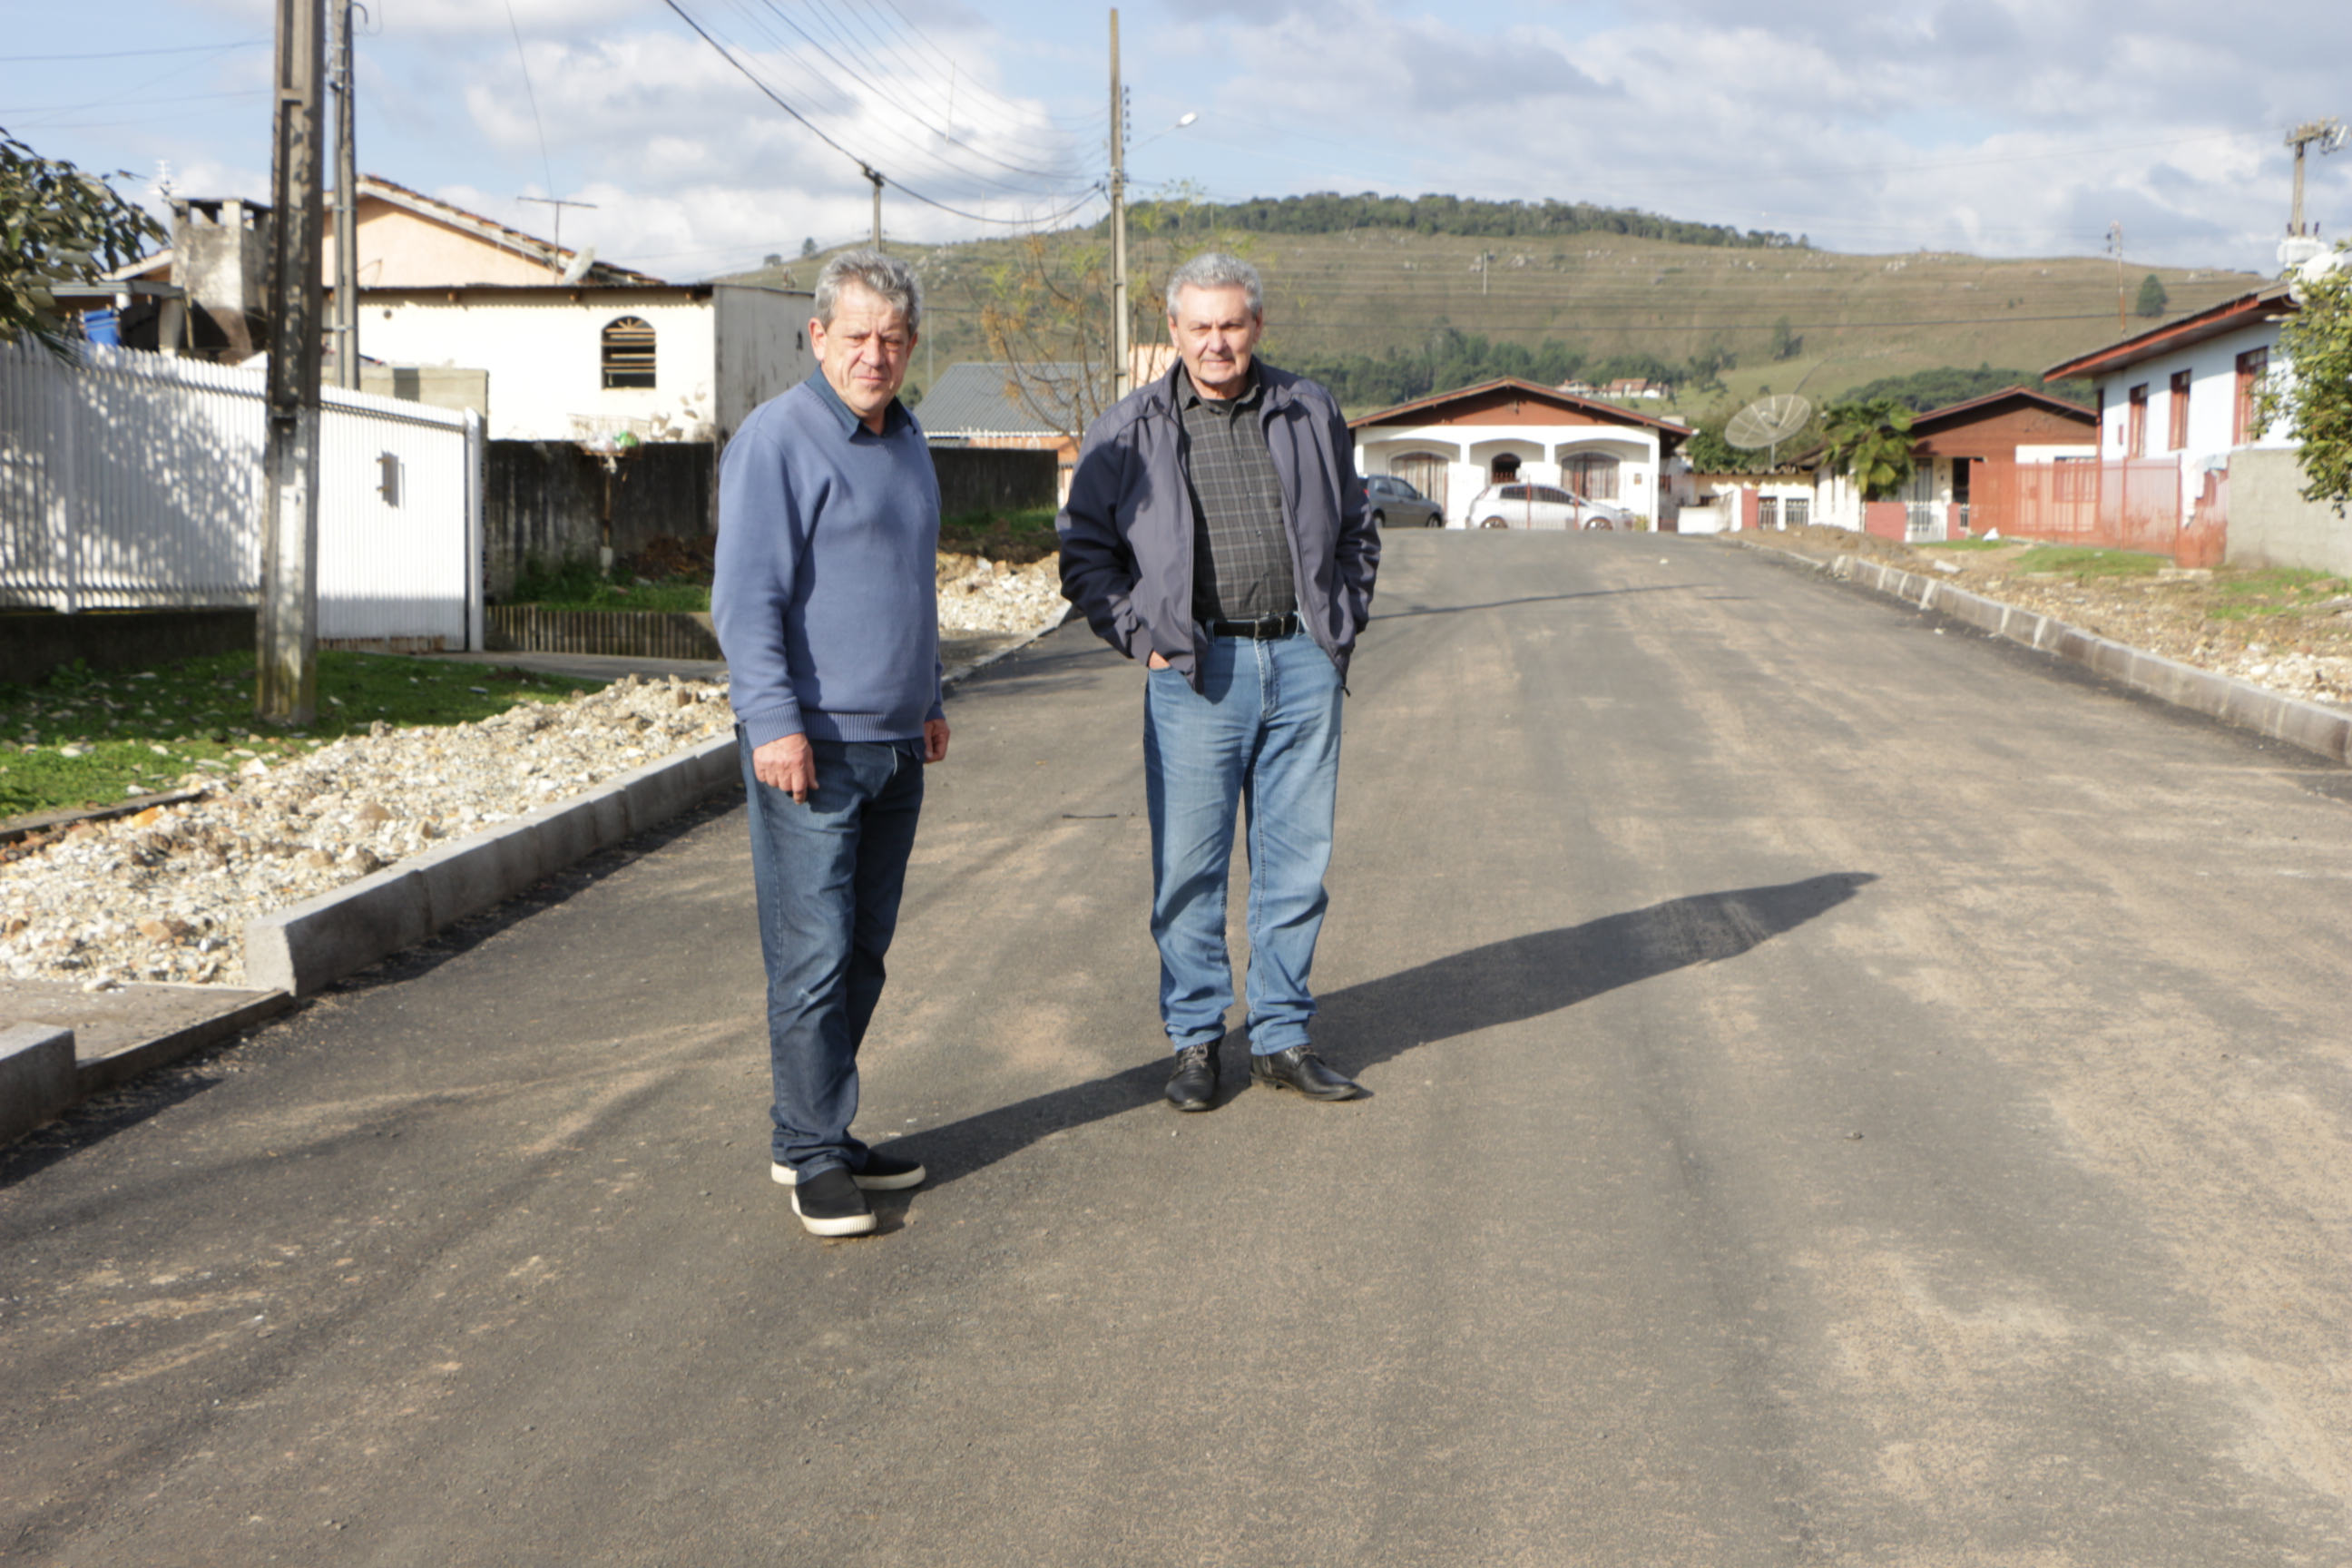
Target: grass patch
column 1019, row 537
column 2274, row 591
column 580, row 585
column 1970, row 544
column 2081, row 562
column 136, row 731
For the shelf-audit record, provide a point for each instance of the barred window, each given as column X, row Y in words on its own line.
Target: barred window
column 629, row 352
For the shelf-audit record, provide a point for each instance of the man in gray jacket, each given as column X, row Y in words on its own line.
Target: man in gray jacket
column 1216, row 530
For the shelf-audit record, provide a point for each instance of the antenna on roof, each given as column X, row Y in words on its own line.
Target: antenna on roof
column 1767, row 422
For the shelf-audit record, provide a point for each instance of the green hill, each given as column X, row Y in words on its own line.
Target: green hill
column 1773, row 314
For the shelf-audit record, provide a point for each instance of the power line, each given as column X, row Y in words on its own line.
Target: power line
column 532, row 97
column 870, row 171
column 133, row 54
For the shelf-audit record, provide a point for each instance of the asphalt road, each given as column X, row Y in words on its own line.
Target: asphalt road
column 1847, row 1092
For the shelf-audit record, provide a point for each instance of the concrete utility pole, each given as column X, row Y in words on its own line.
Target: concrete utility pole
column 286, row 668
column 2329, row 134
column 346, row 208
column 876, row 176
column 1121, row 371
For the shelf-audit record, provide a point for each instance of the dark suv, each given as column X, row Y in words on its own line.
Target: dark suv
column 1393, row 500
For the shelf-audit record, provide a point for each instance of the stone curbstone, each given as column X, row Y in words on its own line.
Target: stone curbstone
column 306, row 947
column 37, row 1076
column 2307, row 726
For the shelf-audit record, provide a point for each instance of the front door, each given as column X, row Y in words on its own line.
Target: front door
column 1424, row 471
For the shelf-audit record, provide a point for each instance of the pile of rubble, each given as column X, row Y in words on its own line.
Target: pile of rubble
column 165, row 895
column 977, row 594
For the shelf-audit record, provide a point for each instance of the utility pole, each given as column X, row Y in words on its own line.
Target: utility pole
column 2115, row 243
column 347, row 207
column 875, row 175
column 286, row 668
column 2329, row 134
column 1122, row 375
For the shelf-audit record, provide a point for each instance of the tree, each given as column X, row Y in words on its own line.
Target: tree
column 2315, row 396
column 2151, row 296
column 58, row 226
column 808, row 246
column 1786, row 343
column 1869, row 441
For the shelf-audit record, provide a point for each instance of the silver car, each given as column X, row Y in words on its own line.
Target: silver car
column 1542, row 507
column 1394, row 500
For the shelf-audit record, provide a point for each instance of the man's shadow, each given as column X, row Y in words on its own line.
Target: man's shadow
column 1502, row 982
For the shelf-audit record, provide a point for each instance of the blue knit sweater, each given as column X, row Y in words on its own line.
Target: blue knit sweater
column 826, row 593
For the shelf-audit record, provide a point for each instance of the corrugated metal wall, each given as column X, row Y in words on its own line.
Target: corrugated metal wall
column 134, row 480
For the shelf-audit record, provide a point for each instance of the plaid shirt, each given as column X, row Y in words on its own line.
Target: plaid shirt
column 1241, row 553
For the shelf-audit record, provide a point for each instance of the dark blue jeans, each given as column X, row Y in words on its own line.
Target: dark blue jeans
column 828, row 874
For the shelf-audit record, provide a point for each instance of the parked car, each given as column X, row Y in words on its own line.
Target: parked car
column 1542, row 507
column 1394, row 500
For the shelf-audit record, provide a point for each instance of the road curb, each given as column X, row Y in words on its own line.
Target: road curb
column 2308, row 725
column 303, row 949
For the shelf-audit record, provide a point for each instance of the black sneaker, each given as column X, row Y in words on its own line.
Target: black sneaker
column 829, row 1204
column 882, row 1174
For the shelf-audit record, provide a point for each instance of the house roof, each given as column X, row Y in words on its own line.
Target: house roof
column 2230, row 316
column 1432, row 410
column 556, row 259
column 975, row 398
column 1961, row 412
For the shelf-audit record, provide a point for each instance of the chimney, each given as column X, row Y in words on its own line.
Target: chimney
column 220, row 255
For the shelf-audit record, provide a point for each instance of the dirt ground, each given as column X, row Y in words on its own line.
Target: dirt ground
column 2290, row 632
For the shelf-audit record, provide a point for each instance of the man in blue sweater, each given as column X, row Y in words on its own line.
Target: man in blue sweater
column 826, row 606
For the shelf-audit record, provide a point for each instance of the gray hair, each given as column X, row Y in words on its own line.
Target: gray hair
column 1215, row 270
column 885, row 276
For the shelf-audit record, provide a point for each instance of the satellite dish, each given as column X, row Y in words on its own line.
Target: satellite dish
column 581, row 263
column 1768, row 422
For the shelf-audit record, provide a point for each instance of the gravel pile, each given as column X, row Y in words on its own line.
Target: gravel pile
column 982, row 596
column 165, row 895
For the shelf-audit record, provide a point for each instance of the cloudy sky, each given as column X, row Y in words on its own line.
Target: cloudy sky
column 2002, row 127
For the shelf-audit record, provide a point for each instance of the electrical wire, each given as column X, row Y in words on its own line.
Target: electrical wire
column 133, row 54
column 870, row 171
column 546, row 167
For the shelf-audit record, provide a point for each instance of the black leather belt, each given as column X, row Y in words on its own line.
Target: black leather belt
column 1264, row 628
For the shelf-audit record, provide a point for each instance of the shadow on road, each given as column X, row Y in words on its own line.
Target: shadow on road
column 1502, row 982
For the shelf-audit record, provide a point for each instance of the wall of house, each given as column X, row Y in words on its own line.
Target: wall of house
column 544, row 353
column 1471, row 445
column 2272, row 525
column 2212, row 367
column 400, row 249
column 761, row 349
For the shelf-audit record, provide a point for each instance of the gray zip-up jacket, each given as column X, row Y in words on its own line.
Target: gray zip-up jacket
column 1126, row 532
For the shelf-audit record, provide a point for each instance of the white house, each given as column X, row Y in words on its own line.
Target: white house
column 578, row 362
column 1451, row 445
column 2186, row 391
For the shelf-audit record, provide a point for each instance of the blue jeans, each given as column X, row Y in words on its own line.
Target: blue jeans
column 1263, row 734
column 828, row 874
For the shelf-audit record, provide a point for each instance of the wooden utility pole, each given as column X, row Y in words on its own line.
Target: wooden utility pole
column 286, row 669
column 347, row 207
column 1121, row 368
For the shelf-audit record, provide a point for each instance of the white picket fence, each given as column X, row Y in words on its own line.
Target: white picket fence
column 134, row 480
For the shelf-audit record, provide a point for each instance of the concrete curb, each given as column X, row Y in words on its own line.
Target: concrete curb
column 37, row 1076
column 303, row 949
column 2309, row 725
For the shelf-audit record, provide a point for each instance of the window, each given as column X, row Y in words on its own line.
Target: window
column 2251, row 366
column 2177, row 414
column 2136, row 422
column 629, row 352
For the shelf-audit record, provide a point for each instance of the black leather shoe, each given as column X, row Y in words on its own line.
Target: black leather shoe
column 1194, row 1086
column 1303, row 1071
